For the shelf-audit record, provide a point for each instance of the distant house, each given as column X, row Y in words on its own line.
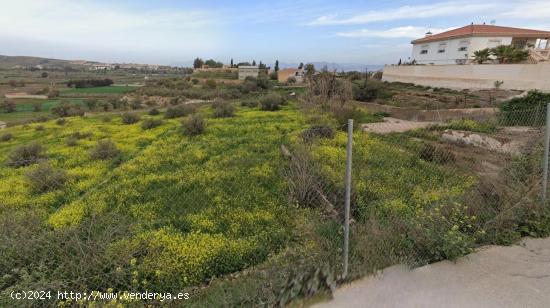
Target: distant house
column 284, row 74
column 248, row 71
column 457, row 46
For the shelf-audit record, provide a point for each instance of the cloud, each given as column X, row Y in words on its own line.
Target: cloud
column 407, row 12
column 529, row 10
column 398, row 32
column 108, row 26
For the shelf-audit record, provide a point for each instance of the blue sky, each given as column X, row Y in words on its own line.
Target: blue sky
column 168, row 32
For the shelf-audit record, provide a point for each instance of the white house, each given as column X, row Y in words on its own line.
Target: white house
column 457, row 46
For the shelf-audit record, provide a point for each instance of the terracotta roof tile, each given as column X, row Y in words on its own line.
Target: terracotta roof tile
column 482, row 30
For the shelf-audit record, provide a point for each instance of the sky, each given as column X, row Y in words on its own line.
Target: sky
column 292, row 31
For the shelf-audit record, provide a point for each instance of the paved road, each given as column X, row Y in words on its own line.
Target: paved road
column 494, row 276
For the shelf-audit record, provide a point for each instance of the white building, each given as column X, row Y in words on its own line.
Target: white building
column 458, row 46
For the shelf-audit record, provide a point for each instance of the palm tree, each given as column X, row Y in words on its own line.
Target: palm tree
column 510, row 54
column 482, row 55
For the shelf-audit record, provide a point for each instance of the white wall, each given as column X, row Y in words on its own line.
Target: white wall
column 451, row 47
column 473, row 76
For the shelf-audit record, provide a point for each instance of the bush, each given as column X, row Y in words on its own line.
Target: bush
column 343, row 113
column 79, row 135
column 210, row 84
column 60, row 122
column 71, row 141
column 91, row 103
column 154, row 112
column 67, row 110
column 39, row 128
column 26, row 155
column 250, row 103
column 136, row 104
column 194, row 125
column 130, row 118
column 44, row 178
column 36, row 107
column 105, row 149
column 527, row 110
column 179, row 111
column 436, row 154
column 223, row 109
column 151, row 123
column 271, row 102
column 195, row 81
column 8, row 106
column 6, row 137
column 317, row 131
column 90, row 83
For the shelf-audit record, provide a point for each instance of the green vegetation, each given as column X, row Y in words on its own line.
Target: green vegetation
column 98, row 90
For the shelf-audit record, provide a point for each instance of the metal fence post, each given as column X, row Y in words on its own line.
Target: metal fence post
column 545, row 158
column 348, row 196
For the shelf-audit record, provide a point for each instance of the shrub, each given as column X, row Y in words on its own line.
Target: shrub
column 39, row 128
column 179, row 111
column 223, row 109
column 67, row 110
column 527, row 110
column 151, row 123
column 71, row 141
column 8, row 106
column 343, row 113
column 195, row 81
column 106, row 118
column 130, row 118
column 263, row 82
column 210, row 84
column 317, row 131
column 136, row 104
column 271, row 102
column 79, row 135
column 105, row 149
column 91, row 103
column 154, row 112
column 26, row 155
column 6, row 137
column 194, row 125
column 44, row 178
column 436, row 154
column 291, row 80
column 60, row 122
column 250, row 103
column 36, row 107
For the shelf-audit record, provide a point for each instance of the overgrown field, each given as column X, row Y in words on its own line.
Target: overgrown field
column 127, row 203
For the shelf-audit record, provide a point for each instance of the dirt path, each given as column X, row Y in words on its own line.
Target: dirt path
column 393, row 125
column 494, row 276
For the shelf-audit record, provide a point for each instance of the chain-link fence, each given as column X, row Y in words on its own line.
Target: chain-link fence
column 428, row 191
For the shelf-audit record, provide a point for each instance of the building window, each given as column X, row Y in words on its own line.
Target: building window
column 441, row 51
column 463, row 48
column 424, row 52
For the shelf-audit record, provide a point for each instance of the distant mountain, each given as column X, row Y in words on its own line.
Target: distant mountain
column 13, row 61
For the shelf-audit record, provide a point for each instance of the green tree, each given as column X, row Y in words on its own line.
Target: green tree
column 198, row 63
column 301, row 66
column 482, row 55
column 253, row 62
column 276, row 65
column 231, row 62
column 310, row 71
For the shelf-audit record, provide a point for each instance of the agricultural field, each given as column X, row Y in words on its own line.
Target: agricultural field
column 97, row 90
